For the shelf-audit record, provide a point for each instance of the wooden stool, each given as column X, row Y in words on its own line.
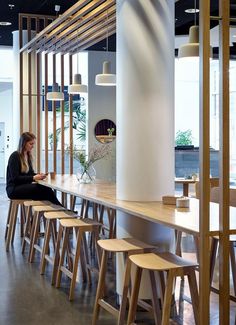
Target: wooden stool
column 81, row 226
column 51, row 231
column 38, row 212
column 28, row 223
column 174, row 266
column 213, row 256
column 127, row 246
column 11, row 221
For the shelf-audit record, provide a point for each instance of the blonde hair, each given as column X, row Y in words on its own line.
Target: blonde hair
column 24, row 138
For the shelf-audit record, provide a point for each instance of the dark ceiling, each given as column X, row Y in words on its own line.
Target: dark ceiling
column 7, row 14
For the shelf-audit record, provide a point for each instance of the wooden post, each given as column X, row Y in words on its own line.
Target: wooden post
column 204, row 161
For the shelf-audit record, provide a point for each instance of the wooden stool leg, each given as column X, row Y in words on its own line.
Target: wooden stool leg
column 76, row 262
column 194, row 294
column 27, row 228
column 63, row 250
column 134, row 296
column 8, row 218
column 84, row 252
column 22, row 219
column 167, row 298
column 34, row 235
column 100, row 287
column 233, row 266
column 57, row 255
column 45, row 247
column 155, row 299
column 13, row 229
column 126, row 286
column 10, row 225
column 12, row 222
column 97, row 248
column 213, row 252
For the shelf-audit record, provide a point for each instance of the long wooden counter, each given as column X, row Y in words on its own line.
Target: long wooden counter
column 104, row 193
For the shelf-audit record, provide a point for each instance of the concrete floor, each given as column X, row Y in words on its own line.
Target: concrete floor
column 27, row 298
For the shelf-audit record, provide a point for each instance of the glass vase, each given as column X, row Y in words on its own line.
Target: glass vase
column 86, row 175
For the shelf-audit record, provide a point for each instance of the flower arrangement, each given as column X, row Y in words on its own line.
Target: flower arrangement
column 86, row 174
column 110, row 131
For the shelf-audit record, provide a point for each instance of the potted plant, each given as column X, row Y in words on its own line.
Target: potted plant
column 184, row 140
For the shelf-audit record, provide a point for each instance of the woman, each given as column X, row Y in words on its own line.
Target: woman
column 21, row 178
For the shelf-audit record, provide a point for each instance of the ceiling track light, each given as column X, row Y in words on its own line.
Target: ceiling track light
column 106, row 78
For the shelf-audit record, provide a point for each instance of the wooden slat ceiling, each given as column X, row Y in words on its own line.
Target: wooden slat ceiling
column 83, row 25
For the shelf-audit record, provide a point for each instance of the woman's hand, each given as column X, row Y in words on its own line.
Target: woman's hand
column 39, row 177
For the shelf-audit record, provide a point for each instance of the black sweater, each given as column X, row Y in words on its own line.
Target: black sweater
column 14, row 175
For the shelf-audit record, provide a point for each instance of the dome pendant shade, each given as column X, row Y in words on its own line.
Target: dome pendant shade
column 106, row 78
column 77, row 87
column 55, row 94
column 191, row 49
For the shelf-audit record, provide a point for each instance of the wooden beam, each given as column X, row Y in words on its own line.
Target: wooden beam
column 224, row 161
column 204, row 156
column 60, row 20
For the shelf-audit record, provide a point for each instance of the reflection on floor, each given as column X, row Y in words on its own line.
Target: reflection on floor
column 28, row 298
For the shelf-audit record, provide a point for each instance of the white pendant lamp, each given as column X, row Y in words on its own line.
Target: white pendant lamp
column 55, row 94
column 77, row 87
column 191, row 49
column 106, row 78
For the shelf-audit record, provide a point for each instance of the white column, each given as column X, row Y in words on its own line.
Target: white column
column 16, row 87
column 145, row 112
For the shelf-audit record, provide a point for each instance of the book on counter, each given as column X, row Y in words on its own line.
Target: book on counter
column 170, row 199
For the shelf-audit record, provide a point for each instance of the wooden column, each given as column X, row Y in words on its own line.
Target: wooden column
column 46, row 110
column 224, row 161
column 204, row 160
column 71, row 115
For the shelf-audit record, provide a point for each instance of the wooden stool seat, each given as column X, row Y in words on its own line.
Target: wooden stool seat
column 11, row 220
column 34, row 202
column 161, row 261
column 174, row 266
column 80, row 226
column 50, row 230
column 127, row 246
column 123, row 245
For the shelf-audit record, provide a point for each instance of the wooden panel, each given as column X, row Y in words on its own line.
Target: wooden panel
column 62, row 120
column 71, row 116
column 38, row 112
column 21, row 75
column 54, row 117
column 204, row 154
column 224, row 162
column 62, row 21
column 84, row 16
column 91, row 22
column 46, row 111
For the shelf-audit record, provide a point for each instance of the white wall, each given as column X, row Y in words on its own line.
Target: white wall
column 6, row 118
column 101, row 105
column 6, row 78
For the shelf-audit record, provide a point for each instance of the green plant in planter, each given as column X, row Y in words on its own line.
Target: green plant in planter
column 184, row 138
column 51, row 138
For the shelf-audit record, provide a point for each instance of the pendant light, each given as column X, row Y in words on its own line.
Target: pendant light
column 106, row 78
column 191, row 49
column 55, row 94
column 77, row 87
